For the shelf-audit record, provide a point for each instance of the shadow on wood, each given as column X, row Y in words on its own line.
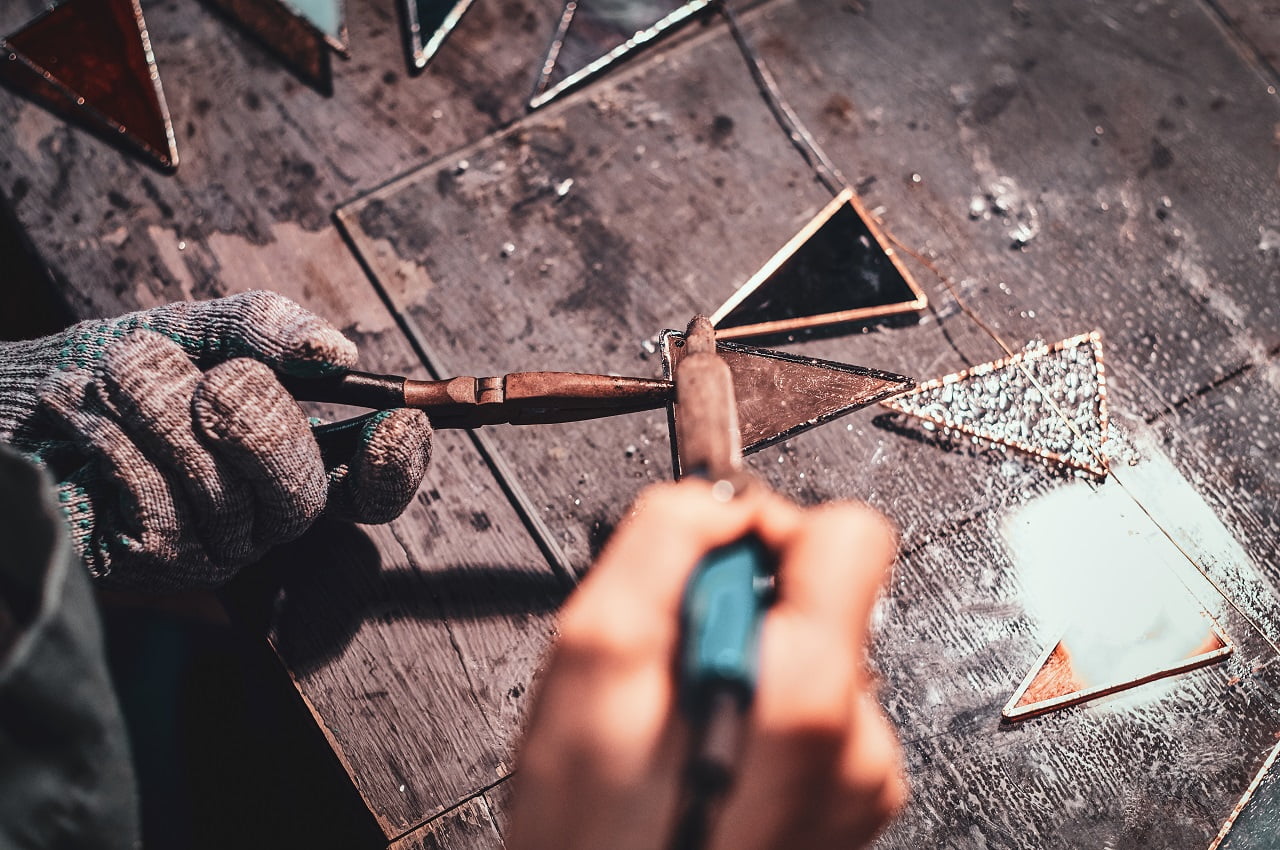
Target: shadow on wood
column 313, row 594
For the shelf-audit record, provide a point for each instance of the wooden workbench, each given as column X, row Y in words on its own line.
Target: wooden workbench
column 434, row 221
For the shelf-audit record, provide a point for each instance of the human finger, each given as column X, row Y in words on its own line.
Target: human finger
column 811, row 679
column 649, row 558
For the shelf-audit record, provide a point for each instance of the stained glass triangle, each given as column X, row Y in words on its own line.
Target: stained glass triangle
column 1255, row 821
column 1065, row 675
column 429, row 23
column 327, row 17
column 594, row 34
column 90, row 61
column 839, row 268
column 282, row 31
column 781, row 394
column 1004, row 402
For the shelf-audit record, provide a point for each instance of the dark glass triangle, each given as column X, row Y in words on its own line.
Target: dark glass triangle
column 594, row 34
column 429, row 23
column 838, row 269
column 292, row 38
column 90, row 61
column 780, row 395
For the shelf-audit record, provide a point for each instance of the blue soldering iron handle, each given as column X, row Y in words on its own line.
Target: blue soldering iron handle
column 723, row 608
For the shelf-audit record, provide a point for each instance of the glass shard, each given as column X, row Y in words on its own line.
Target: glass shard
column 292, row 38
column 780, row 394
column 1083, row 665
column 1003, row 402
column 326, row 16
column 1254, row 823
column 594, row 34
column 429, row 23
column 90, row 62
column 839, row 268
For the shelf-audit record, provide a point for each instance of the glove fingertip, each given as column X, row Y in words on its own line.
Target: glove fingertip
column 395, row 451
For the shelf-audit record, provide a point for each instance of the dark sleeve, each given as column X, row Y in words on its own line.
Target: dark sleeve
column 65, row 776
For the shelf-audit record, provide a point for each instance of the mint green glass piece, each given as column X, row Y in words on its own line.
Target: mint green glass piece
column 324, row 15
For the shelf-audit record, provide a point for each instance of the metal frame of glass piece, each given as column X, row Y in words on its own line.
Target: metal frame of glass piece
column 1098, row 467
column 420, row 52
column 1245, row 798
column 544, row 93
column 29, row 78
column 765, row 275
column 779, row 394
column 1012, row 711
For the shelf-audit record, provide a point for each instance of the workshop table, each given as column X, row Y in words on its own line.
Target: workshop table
column 1070, row 167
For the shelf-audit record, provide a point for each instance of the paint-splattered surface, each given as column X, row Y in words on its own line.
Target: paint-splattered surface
column 1074, row 167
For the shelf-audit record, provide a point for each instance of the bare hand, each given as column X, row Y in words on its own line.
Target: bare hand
column 605, row 751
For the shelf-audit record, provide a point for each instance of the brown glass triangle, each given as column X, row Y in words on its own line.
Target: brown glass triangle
column 90, row 62
column 298, row 44
column 1053, row 683
column 839, row 268
column 780, row 395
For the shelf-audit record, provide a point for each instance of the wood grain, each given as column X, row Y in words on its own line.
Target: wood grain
column 1110, row 156
column 412, row 644
column 1070, row 167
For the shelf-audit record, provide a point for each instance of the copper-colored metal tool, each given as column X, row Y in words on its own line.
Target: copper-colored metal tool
column 519, row 398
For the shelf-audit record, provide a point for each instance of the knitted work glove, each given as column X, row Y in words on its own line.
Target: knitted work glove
column 179, row 456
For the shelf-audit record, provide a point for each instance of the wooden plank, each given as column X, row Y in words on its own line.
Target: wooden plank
column 959, row 630
column 477, row 824
column 1257, row 24
column 1088, row 126
column 469, row 827
column 412, row 644
column 595, row 307
column 259, row 149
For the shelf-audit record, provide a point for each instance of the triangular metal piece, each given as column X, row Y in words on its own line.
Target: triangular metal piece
column 780, row 395
column 1004, row 402
column 90, row 61
column 1254, row 823
column 293, row 38
column 327, row 16
column 839, row 268
column 594, row 34
column 428, row 24
column 1055, row 681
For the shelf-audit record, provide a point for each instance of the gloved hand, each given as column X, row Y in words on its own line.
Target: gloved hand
column 172, row 477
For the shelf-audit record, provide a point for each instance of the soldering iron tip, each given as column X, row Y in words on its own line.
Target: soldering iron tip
column 701, row 336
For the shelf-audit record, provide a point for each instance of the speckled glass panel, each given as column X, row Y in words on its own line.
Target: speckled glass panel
column 1048, row 401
